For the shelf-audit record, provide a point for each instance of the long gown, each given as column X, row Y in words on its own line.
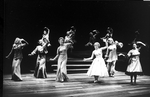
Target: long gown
column 16, row 71
column 40, row 69
column 134, row 66
column 98, row 66
column 61, row 67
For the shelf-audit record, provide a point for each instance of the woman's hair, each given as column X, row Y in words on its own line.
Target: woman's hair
column 97, row 44
column 46, row 30
column 110, row 39
column 134, row 44
column 60, row 38
column 17, row 41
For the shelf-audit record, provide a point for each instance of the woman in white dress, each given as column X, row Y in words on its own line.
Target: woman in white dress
column 61, row 75
column 134, row 67
column 98, row 67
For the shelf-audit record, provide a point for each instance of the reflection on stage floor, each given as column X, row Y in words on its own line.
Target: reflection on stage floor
column 79, row 85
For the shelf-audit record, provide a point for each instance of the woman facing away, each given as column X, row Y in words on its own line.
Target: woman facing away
column 18, row 56
column 61, row 75
column 40, row 69
column 98, row 67
column 134, row 66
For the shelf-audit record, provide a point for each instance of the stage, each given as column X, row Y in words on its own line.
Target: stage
column 79, row 85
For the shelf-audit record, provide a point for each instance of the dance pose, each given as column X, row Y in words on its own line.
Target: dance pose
column 92, row 38
column 69, row 38
column 45, row 38
column 40, row 69
column 18, row 56
column 134, row 67
column 98, row 67
column 61, row 75
column 109, row 33
column 111, row 55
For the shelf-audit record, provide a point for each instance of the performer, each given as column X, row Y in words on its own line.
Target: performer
column 98, row 67
column 40, row 69
column 45, row 37
column 18, row 56
column 109, row 33
column 70, row 35
column 61, row 75
column 111, row 55
column 134, row 67
column 92, row 38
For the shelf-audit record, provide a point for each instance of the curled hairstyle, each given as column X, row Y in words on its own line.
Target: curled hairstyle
column 111, row 40
column 97, row 44
column 17, row 41
column 60, row 38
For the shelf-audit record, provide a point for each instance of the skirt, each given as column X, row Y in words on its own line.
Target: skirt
column 134, row 67
column 98, row 68
column 16, row 71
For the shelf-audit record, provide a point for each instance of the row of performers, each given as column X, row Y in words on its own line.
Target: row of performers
column 98, row 68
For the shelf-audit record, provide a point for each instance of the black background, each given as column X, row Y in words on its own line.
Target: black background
column 27, row 18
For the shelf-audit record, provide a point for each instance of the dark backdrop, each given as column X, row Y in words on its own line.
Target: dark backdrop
column 26, row 19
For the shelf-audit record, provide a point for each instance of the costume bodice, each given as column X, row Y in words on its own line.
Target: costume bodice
column 98, row 53
column 133, row 52
column 62, row 50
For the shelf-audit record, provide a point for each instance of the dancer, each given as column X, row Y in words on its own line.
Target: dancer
column 134, row 67
column 92, row 38
column 109, row 33
column 69, row 38
column 61, row 75
column 18, row 56
column 111, row 55
column 98, row 67
column 40, row 69
column 45, row 38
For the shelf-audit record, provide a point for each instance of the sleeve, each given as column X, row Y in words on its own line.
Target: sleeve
column 129, row 53
column 34, row 51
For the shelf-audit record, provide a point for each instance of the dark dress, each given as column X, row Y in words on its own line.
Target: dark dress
column 40, row 69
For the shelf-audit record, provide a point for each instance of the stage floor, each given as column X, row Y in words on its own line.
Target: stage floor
column 79, row 85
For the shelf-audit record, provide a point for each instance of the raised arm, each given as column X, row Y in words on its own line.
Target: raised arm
column 139, row 42
column 106, row 44
column 68, row 45
column 33, row 52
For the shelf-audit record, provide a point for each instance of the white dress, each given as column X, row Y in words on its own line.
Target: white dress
column 134, row 63
column 112, row 56
column 98, row 66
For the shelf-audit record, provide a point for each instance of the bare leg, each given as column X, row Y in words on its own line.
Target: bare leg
column 96, row 79
column 131, row 79
column 135, row 77
column 108, row 67
column 113, row 68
